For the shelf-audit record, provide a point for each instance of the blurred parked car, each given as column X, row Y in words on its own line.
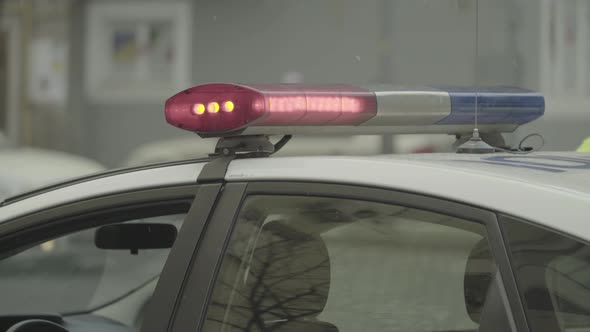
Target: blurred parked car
column 24, row 169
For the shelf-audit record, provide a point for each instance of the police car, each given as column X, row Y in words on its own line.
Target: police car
column 239, row 241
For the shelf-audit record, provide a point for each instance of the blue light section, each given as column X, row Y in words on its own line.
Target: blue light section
column 496, row 105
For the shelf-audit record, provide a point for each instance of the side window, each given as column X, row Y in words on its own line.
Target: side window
column 553, row 274
column 325, row 264
column 72, row 275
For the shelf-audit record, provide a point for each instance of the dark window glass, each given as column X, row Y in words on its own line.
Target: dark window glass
column 553, row 274
column 3, row 79
column 325, row 264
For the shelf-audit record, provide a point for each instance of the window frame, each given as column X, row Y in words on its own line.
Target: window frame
column 191, row 312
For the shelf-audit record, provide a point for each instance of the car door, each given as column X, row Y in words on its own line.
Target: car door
column 49, row 260
column 327, row 257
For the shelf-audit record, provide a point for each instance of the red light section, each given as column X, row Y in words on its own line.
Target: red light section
column 199, row 108
column 268, row 105
column 309, row 105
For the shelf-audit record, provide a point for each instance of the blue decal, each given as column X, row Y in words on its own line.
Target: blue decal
column 537, row 164
column 510, row 164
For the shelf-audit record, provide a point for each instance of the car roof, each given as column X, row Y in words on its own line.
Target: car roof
column 556, row 197
column 558, row 171
column 552, row 189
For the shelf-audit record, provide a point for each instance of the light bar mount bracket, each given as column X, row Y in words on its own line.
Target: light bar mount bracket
column 490, row 139
column 234, row 147
column 244, row 146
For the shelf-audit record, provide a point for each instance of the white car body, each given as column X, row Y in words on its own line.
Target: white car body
column 550, row 189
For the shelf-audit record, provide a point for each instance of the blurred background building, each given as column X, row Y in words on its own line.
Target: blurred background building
column 90, row 77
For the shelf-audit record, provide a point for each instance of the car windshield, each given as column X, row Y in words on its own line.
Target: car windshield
column 70, row 274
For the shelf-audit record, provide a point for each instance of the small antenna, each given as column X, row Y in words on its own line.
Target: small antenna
column 476, row 61
column 475, row 144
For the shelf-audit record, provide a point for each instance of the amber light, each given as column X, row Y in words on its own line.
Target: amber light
column 198, row 109
column 213, row 107
column 228, row 106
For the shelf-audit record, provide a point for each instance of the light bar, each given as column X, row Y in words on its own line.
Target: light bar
column 232, row 109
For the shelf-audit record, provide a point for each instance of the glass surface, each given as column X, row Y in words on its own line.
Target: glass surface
column 553, row 273
column 3, row 83
column 70, row 274
column 322, row 264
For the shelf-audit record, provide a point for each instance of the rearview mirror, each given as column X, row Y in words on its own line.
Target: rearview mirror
column 135, row 236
